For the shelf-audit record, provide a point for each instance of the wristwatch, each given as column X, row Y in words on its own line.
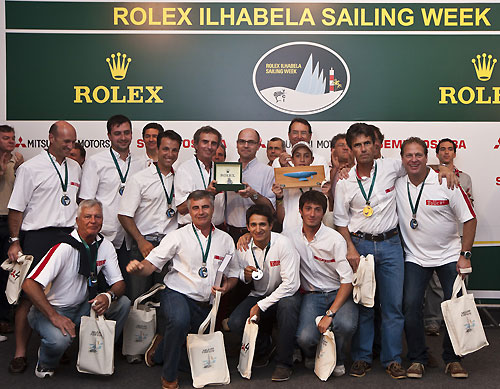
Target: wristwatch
column 330, row 314
column 255, row 196
column 13, row 239
column 466, row 254
column 113, row 295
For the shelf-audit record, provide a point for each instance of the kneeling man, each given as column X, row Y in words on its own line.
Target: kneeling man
column 71, row 268
column 325, row 281
column 272, row 264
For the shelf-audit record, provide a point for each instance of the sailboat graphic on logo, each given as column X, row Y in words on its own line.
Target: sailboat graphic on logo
column 209, row 362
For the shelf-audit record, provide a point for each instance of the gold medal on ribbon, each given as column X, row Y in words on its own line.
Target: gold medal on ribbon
column 367, row 211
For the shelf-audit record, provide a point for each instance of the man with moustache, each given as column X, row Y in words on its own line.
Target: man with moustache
column 43, row 203
column 194, row 252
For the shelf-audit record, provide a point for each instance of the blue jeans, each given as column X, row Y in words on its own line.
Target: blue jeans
column 183, row 315
column 54, row 343
column 285, row 312
column 416, row 281
column 344, row 323
column 389, row 274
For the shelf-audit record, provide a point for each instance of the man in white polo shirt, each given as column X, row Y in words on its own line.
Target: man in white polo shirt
column 58, row 311
column 147, row 210
column 104, row 178
column 150, row 134
column 195, row 252
column 272, row 264
column 428, row 214
column 287, row 200
column 197, row 173
column 325, row 281
column 43, row 202
column 258, row 179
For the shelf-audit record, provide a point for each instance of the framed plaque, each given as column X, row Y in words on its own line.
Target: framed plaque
column 299, row 176
column 228, row 176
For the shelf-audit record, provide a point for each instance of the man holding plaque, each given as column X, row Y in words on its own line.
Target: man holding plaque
column 147, row 210
column 104, row 177
column 271, row 264
column 195, row 253
column 428, row 215
column 43, row 202
column 257, row 178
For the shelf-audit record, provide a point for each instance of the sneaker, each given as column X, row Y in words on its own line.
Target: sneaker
column 432, row 329
column 43, row 372
column 150, row 352
column 169, row 384
column 339, row 371
column 18, row 365
column 360, row 368
column 281, row 374
column 309, row 363
column 297, row 355
column 456, row 370
column 396, row 371
column 134, row 359
column 416, row 370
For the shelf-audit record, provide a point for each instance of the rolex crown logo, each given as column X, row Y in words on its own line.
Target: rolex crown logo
column 118, row 65
column 484, row 66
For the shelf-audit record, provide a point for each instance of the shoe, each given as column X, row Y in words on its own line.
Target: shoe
column 297, row 355
column 281, row 374
column 18, row 365
column 150, row 352
column 416, row 370
column 309, row 363
column 3, row 338
column 396, row 371
column 169, row 384
column 360, row 368
column 432, row 329
column 43, row 372
column 456, row 370
column 134, row 359
column 339, row 371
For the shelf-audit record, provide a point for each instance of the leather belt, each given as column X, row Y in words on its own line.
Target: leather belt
column 376, row 238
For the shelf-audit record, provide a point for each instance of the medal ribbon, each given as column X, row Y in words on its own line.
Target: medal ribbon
column 122, row 177
column 201, row 173
column 169, row 196
column 93, row 265
column 414, row 210
column 265, row 255
column 204, row 255
column 64, row 184
column 367, row 198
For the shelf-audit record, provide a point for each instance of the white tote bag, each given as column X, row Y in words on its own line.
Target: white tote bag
column 462, row 321
column 97, row 343
column 247, row 350
column 140, row 327
column 364, row 283
column 326, row 354
column 206, row 353
column 17, row 274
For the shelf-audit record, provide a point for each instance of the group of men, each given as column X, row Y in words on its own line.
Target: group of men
column 140, row 222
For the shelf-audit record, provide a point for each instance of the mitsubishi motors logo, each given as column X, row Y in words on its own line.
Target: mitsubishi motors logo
column 497, row 145
column 20, row 143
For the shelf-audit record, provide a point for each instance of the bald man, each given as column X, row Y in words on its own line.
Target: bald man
column 43, row 203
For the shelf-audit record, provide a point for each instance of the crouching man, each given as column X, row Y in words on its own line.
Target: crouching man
column 273, row 265
column 71, row 268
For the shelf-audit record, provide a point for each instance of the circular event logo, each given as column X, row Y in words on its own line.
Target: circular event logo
column 301, row 78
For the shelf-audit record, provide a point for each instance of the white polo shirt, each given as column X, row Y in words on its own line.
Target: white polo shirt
column 181, row 248
column 188, row 179
column 291, row 204
column 145, row 201
column 349, row 201
column 317, row 161
column 37, row 192
column 281, row 270
column 60, row 267
column 323, row 263
column 261, row 178
column 435, row 242
column 101, row 181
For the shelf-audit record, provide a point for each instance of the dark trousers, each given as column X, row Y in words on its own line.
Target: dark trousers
column 4, row 275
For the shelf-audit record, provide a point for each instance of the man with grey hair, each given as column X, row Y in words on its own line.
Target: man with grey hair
column 71, row 268
column 194, row 253
column 275, row 146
